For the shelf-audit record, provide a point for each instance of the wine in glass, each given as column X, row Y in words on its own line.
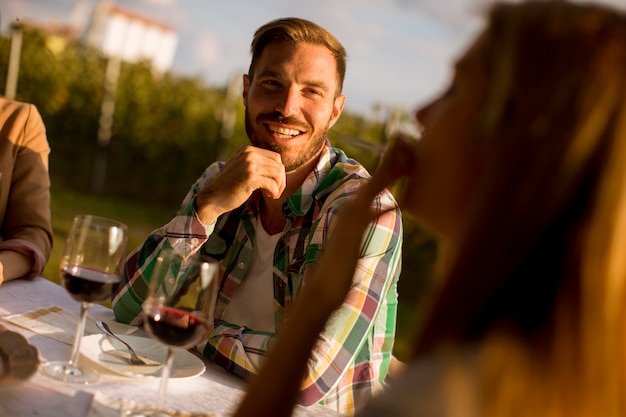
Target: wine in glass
column 178, row 309
column 90, row 269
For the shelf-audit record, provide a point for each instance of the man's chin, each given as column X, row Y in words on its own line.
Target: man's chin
column 292, row 165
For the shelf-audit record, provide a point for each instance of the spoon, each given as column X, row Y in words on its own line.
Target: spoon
column 134, row 359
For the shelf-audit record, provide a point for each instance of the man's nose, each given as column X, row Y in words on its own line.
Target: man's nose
column 289, row 102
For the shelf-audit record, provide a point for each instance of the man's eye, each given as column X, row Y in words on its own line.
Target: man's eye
column 313, row 92
column 270, row 83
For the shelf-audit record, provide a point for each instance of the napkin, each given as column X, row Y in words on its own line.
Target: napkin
column 59, row 324
column 103, row 406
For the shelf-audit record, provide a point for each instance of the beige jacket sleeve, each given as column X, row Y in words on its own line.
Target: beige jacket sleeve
column 25, row 185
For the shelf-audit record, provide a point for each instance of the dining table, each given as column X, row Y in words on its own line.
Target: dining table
column 23, row 303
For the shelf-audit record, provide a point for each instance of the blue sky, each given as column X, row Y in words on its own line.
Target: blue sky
column 400, row 51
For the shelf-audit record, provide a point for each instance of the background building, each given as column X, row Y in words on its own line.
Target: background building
column 126, row 35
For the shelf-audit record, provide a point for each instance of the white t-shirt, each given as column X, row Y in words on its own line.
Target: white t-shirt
column 253, row 303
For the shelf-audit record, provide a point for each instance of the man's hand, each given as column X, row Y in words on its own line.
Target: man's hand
column 250, row 169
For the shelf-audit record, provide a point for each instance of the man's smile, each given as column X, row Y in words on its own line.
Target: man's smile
column 283, row 132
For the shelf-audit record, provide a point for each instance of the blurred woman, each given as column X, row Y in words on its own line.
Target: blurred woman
column 521, row 171
column 25, row 227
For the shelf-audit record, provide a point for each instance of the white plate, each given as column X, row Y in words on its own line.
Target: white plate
column 110, row 354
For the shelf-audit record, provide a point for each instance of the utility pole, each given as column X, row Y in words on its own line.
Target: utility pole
column 227, row 114
column 14, row 60
column 107, row 111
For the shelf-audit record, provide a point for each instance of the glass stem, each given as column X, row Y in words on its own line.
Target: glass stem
column 165, row 375
column 84, row 307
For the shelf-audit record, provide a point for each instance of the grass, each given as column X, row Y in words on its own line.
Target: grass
column 141, row 219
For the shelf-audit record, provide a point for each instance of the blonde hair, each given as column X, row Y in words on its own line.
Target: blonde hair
column 540, row 281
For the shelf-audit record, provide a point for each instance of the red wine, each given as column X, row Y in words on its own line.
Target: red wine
column 88, row 285
column 176, row 327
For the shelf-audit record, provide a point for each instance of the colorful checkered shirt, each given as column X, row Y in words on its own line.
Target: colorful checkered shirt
column 352, row 356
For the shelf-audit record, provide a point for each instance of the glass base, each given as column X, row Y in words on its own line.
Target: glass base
column 66, row 372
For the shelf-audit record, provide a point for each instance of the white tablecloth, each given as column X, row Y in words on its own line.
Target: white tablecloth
column 215, row 391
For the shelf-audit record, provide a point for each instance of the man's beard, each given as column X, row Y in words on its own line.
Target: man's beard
column 293, row 161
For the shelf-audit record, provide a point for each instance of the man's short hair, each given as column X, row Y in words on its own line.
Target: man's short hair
column 296, row 30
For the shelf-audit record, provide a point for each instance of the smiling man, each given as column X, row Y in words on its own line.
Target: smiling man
column 268, row 212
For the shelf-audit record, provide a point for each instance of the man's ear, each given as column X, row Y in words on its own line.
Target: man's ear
column 246, row 87
column 340, row 101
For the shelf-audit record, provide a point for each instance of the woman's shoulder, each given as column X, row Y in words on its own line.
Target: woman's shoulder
column 10, row 107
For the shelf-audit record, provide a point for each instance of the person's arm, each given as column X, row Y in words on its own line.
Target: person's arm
column 241, row 350
column 223, row 187
column 27, row 229
column 354, row 335
column 275, row 390
column 237, row 349
column 185, row 233
column 14, row 265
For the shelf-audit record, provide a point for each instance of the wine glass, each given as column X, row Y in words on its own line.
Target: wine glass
column 178, row 309
column 90, row 268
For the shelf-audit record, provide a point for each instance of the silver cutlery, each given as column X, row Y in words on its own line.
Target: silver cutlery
column 134, row 359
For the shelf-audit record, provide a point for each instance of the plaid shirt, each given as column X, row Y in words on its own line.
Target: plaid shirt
column 353, row 353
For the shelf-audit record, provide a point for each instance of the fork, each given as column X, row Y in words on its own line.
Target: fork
column 134, row 359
